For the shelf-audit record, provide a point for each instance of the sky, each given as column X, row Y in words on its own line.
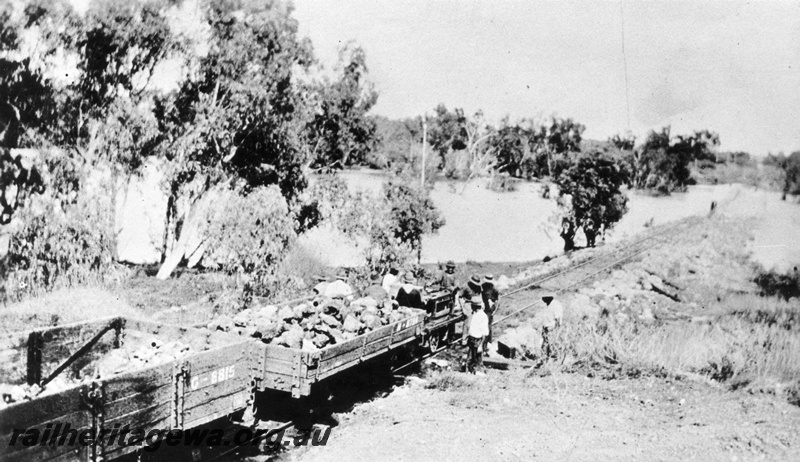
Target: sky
column 731, row 67
column 728, row 66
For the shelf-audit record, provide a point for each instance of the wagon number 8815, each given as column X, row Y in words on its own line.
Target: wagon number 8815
column 213, row 377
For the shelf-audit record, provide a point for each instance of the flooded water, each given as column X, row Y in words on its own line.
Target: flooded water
column 483, row 225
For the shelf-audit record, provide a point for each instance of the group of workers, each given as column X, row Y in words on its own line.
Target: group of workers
column 478, row 301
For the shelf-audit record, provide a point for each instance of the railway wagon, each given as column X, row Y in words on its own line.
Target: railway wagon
column 295, row 371
column 179, row 393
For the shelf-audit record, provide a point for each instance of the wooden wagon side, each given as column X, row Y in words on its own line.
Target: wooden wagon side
column 68, row 407
column 176, row 394
column 294, row 370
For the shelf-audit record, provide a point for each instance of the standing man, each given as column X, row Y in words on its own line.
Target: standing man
column 553, row 314
column 490, row 297
column 478, row 330
column 391, row 281
column 448, row 280
column 472, row 290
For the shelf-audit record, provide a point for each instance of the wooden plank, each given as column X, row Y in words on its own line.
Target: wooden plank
column 48, row 453
column 381, row 344
column 195, row 397
column 69, row 332
column 281, row 367
column 213, row 409
column 503, row 363
column 281, row 353
column 384, row 331
column 341, row 349
column 77, row 421
column 131, row 404
column 341, row 360
column 220, row 357
column 131, row 383
column 276, row 381
column 29, row 414
column 147, row 416
column 116, row 450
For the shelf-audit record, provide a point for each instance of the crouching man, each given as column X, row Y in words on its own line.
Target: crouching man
column 478, row 330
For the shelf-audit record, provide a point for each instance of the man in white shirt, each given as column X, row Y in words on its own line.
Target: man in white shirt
column 391, row 282
column 551, row 317
column 478, row 330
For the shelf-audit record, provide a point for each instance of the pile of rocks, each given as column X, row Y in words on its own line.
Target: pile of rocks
column 631, row 293
column 314, row 325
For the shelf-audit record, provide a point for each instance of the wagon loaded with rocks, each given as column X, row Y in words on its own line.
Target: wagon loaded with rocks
column 301, row 345
column 120, row 372
column 94, row 375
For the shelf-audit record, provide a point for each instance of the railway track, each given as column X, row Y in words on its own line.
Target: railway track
column 561, row 281
column 555, row 282
column 575, row 275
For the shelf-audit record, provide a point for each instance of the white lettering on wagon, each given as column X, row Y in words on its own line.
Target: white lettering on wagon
column 215, row 376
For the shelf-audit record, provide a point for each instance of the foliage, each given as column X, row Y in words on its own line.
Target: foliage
column 395, row 140
column 411, row 214
column 529, row 149
column 590, row 198
column 785, row 286
column 623, row 142
column 345, row 210
column 514, row 147
column 340, row 134
column 236, row 119
column 453, row 131
column 791, row 168
column 447, row 130
column 248, row 234
column 62, row 241
column 662, row 162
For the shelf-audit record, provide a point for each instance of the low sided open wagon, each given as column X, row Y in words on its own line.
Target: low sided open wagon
column 180, row 390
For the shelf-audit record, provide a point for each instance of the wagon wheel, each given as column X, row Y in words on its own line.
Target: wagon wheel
column 433, row 341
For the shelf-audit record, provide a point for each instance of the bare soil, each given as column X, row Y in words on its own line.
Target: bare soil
column 508, row 416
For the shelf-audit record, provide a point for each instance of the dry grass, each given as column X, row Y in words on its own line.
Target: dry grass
column 64, row 306
column 750, row 341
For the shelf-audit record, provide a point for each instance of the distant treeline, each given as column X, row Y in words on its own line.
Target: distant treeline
column 464, row 146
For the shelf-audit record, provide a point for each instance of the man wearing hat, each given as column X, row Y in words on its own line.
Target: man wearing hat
column 551, row 316
column 478, row 330
column 448, row 280
column 490, row 297
column 472, row 290
column 375, row 289
column 391, row 281
column 409, row 294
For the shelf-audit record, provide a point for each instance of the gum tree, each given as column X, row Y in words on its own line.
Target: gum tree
column 589, row 198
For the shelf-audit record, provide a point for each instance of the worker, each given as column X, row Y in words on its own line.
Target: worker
column 472, row 290
column 490, row 297
column 551, row 315
column 375, row 289
column 409, row 293
column 478, row 330
column 391, row 281
column 448, row 280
